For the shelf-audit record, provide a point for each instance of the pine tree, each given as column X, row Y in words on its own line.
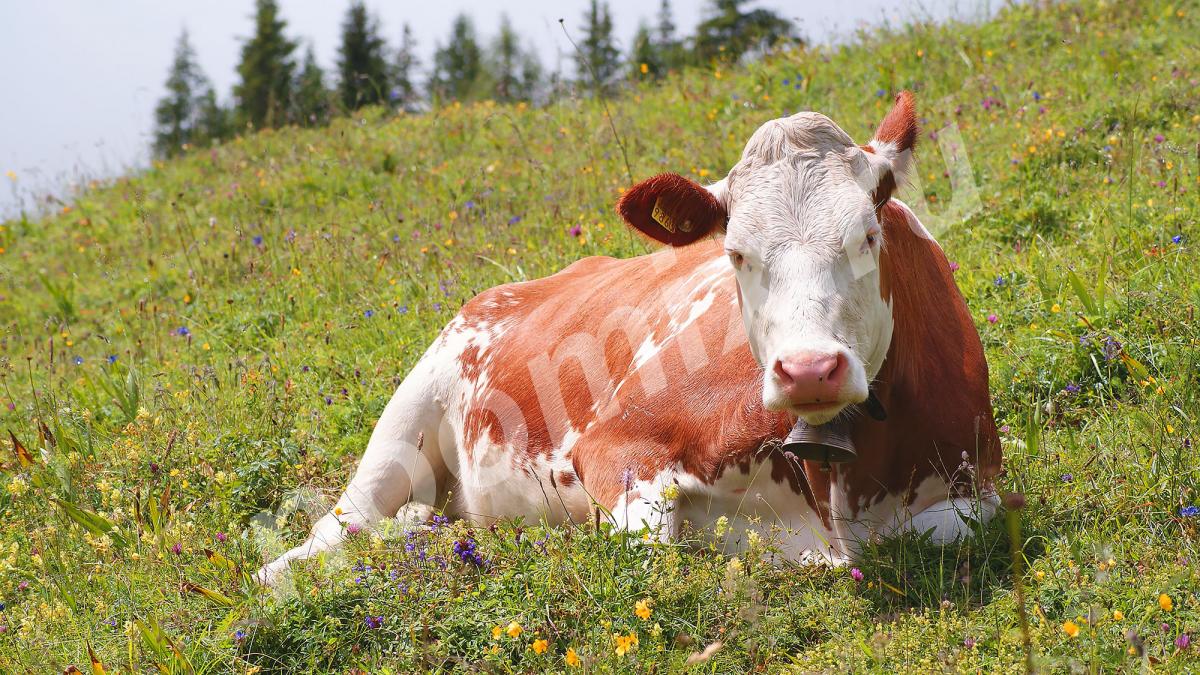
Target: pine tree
column 646, row 59
column 312, row 103
column 458, row 67
column 730, row 32
column 515, row 73
column 598, row 59
column 404, row 92
column 671, row 52
column 264, row 93
column 214, row 122
column 362, row 62
column 181, row 117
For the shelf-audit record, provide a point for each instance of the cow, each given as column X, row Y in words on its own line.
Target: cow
column 655, row 391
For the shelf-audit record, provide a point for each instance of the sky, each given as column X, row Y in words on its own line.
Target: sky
column 79, row 78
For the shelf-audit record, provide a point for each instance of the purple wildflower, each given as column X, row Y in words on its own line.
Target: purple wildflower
column 222, row 537
column 575, row 230
column 514, row 220
column 182, row 331
column 353, row 529
column 1183, row 641
column 1072, row 388
column 177, row 548
column 856, row 574
column 258, row 240
column 374, row 622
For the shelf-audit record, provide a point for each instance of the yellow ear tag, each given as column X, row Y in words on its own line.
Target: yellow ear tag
column 663, row 218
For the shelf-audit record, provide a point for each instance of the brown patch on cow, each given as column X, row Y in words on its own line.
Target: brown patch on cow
column 934, row 382
column 672, row 210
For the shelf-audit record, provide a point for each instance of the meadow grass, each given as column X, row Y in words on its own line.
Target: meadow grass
column 181, row 349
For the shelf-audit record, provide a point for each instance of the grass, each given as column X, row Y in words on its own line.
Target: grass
column 182, row 349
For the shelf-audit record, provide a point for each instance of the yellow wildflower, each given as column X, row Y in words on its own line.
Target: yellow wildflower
column 1056, row 308
column 572, row 658
column 539, row 646
column 625, row 643
column 1071, row 629
column 1118, row 615
column 514, row 630
column 642, row 609
column 645, row 68
column 497, row 631
column 1165, row 602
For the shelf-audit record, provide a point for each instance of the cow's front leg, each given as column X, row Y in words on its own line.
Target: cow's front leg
column 650, row 505
column 952, row 519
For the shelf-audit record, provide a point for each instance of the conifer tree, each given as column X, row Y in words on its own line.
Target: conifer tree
column 312, row 98
column 404, row 92
column 457, row 67
column 182, row 116
column 730, row 32
column 362, row 61
column 515, row 73
column 264, row 92
column 598, row 60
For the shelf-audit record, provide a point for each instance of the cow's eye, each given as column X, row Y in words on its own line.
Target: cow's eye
column 736, row 259
column 872, row 237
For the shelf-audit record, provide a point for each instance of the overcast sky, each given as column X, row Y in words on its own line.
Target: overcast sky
column 79, row 78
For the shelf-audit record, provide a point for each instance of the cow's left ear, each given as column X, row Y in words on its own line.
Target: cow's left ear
column 893, row 144
column 674, row 210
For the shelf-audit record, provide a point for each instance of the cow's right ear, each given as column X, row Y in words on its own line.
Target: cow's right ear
column 673, row 210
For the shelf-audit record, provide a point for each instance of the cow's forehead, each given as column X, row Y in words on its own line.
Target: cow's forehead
column 799, row 170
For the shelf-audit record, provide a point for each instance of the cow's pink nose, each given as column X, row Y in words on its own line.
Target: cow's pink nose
column 812, row 377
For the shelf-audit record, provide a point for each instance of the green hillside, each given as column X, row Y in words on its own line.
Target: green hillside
column 182, row 348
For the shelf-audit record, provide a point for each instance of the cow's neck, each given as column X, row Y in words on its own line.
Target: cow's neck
column 933, row 383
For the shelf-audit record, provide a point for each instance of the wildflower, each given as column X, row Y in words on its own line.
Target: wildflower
column 539, row 646
column 644, row 68
column 112, row 358
column 1070, row 628
column 78, row 360
column 575, row 230
column 969, row 642
column 353, row 529
column 953, row 267
column 1039, row 575
column 1072, row 388
column 374, row 621
column 1118, row 615
column 497, row 631
column 1190, row 511
column 1056, row 308
column 369, row 313
column 1183, row 641
column 221, row 537
column 1159, row 138
column 182, row 331
column 992, row 318
column 337, row 511
column 623, row 644
column 1165, row 602
column 258, row 240
column 1067, row 478
column 856, row 574
column 514, row 220
column 514, row 630
column 999, row 282
column 239, row 635
column 572, row 658
column 642, row 609
column 1177, row 239
column 671, row 492
column 1112, row 348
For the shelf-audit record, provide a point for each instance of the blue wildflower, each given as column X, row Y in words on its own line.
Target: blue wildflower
column 374, row 621
column 369, row 313
column 999, row 281
column 1037, row 96
column 469, row 205
column 112, row 358
column 1190, row 511
column 1067, row 478
column 239, row 635
column 1072, row 388
column 514, row 220
column 258, row 240
column 438, row 521
column 880, row 92
column 1177, row 239
column 403, row 309
column 78, row 360
column 786, row 81
column 1112, row 348
column 183, row 331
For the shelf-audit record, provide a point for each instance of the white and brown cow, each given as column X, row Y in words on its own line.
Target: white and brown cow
column 793, row 288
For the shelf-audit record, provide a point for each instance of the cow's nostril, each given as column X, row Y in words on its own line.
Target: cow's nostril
column 838, row 367
column 781, row 372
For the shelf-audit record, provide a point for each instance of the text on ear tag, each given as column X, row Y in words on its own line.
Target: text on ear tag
column 663, row 218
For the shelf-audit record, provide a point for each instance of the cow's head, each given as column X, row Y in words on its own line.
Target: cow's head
column 800, row 213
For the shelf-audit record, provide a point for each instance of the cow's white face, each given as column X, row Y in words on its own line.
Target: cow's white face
column 800, row 212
